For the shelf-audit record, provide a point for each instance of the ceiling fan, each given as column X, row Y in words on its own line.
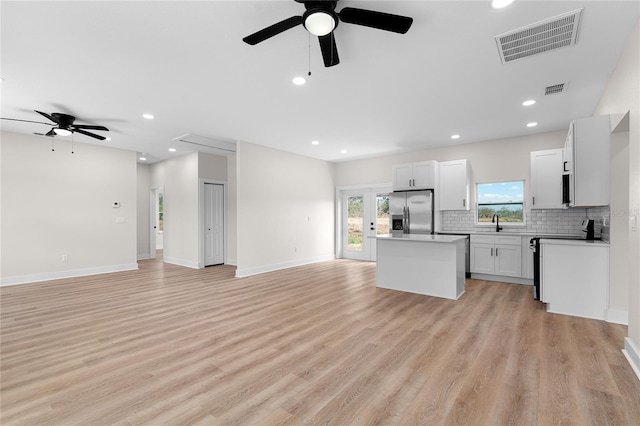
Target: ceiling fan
column 321, row 19
column 64, row 125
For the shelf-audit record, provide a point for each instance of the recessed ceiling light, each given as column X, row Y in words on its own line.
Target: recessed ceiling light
column 142, row 158
column 455, row 136
column 499, row 4
column 344, row 151
column 315, row 142
column 529, row 102
column 299, row 81
column 148, row 116
column 172, row 150
column 532, row 124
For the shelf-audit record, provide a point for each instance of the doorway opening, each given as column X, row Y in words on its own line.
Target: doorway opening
column 156, row 233
column 364, row 214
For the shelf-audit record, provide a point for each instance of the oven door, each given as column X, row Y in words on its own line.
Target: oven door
column 534, row 245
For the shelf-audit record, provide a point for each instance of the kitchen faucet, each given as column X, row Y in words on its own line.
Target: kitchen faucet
column 496, row 219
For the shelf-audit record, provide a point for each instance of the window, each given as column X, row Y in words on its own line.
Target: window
column 506, row 199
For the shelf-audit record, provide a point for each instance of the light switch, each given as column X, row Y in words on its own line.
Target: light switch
column 120, row 220
column 634, row 223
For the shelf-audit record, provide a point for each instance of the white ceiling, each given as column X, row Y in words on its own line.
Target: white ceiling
column 109, row 62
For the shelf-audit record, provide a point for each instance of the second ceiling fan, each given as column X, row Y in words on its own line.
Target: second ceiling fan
column 320, row 19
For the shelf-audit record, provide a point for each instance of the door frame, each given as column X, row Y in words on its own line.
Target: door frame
column 201, row 241
column 340, row 190
column 153, row 213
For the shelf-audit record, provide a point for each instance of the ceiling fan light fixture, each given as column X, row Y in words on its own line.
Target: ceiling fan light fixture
column 319, row 23
column 62, row 132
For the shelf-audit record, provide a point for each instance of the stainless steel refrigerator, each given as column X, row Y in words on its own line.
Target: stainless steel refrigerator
column 411, row 212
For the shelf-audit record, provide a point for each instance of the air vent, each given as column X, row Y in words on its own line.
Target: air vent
column 553, row 33
column 217, row 146
column 556, row 88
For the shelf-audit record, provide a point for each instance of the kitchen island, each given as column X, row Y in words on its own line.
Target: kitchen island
column 433, row 265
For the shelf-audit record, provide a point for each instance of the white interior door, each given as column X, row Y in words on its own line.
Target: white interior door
column 213, row 224
column 365, row 214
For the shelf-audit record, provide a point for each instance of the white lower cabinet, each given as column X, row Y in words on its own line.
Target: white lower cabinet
column 496, row 255
column 574, row 278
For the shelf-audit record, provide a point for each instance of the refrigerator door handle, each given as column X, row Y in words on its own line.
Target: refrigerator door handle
column 408, row 222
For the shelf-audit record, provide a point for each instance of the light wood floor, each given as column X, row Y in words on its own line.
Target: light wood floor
column 168, row 345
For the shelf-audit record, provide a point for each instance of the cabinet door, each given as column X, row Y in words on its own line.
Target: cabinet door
column 454, row 185
column 546, row 179
column 591, row 157
column 424, row 175
column 482, row 258
column 508, row 260
column 402, row 175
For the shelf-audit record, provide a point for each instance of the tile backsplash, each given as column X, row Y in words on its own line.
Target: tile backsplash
column 552, row 221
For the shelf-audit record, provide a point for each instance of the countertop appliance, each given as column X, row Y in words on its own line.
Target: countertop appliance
column 467, row 250
column 411, row 212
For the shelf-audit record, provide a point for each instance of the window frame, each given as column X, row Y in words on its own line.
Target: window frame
column 506, row 224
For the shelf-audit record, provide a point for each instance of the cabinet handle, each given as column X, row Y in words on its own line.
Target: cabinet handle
column 414, row 182
column 534, row 201
column 491, row 251
column 564, row 167
column 464, row 202
column 496, row 251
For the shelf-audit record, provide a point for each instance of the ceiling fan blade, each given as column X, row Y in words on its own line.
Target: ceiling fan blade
column 49, row 117
column 50, row 133
column 90, row 127
column 373, row 19
column 93, row 135
column 329, row 50
column 26, row 121
column 272, row 30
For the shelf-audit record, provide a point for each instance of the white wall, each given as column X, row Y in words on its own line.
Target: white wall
column 619, row 223
column 285, row 210
column 143, row 185
column 56, row 203
column 491, row 161
column 621, row 95
column 180, row 179
column 212, row 166
column 232, row 211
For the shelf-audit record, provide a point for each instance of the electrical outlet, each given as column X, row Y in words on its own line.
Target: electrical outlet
column 64, row 257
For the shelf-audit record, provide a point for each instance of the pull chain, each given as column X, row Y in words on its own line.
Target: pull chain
column 309, row 53
column 72, row 143
column 53, row 138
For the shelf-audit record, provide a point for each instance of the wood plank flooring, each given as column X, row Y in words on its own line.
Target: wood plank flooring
column 317, row 344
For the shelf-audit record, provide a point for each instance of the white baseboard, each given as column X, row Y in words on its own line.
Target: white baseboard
column 240, row 273
column 181, row 262
column 633, row 356
column 617, row 317
column 47, row 276
column 144, row 256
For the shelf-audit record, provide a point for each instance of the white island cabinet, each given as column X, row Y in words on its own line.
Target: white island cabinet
column 433, row 265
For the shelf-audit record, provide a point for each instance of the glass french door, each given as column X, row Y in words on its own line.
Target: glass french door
column 365, row 214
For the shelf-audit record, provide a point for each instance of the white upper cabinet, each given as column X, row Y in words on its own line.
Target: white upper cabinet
column 421, row 175
column 546, row 179
column 587, row 156
column 455, row 177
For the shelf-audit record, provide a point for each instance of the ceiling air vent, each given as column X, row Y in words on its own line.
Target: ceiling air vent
column 218, row 146
column 543, row 36
column 556, row 88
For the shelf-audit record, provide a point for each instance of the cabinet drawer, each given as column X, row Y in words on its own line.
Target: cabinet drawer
column 482, row 239
column 508, row 240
